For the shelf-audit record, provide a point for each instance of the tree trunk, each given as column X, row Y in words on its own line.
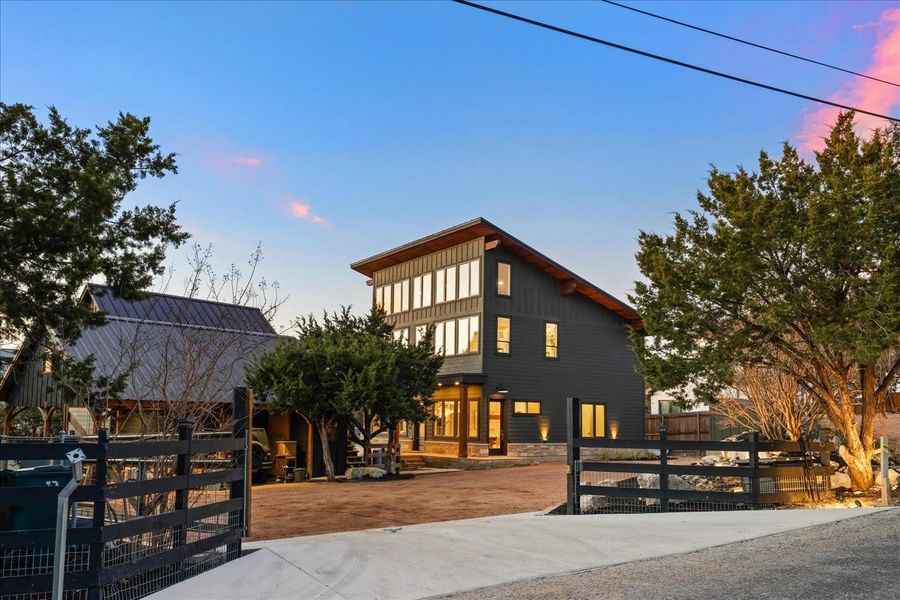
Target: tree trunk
column 856, row 450
column 322, row 426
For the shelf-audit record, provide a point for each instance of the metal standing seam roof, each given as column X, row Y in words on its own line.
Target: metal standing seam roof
column 167, row 308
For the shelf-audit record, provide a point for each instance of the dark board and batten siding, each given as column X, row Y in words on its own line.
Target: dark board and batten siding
column 471, row 250
column 31, row 386
column 596, row 361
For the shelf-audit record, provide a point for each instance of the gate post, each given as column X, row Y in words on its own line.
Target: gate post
column 182, row 494
column 97, row 547
column 754, row 467
column 573, row 454
column 663, row 470
column 242, row 414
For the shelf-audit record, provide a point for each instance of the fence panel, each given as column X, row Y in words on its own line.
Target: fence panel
column 614, row 475
column 147, row 515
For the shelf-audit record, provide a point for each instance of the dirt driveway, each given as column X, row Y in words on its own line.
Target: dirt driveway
column 292, row 509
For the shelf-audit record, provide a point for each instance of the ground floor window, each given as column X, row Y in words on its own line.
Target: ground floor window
column 473, row 418
column 593, row 420
column 445, row 418
column 521, row 407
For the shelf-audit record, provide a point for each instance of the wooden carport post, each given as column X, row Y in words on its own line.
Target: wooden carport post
column 573, row 452
column 463, row 420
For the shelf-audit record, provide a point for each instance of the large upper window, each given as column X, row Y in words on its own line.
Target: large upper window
column 551, row 340
column 457, row 282
column 422, row 291
column 401, row 296
column 502, row 335
column 383, row 298
column 420, row 333
column 504, row 278
column 593, row 420
column 458, row 336
column 402, row 335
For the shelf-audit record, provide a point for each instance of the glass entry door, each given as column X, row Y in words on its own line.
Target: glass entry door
column 496, row 427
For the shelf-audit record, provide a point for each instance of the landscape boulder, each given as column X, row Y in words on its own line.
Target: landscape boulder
column 360, row 472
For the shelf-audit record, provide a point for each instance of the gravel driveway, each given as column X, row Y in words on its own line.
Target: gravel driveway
column 855, row 558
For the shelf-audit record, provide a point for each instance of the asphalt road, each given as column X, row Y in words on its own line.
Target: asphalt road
column 855, row 558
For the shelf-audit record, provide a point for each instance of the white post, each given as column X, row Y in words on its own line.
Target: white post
column 62, row 522
column 885, row 475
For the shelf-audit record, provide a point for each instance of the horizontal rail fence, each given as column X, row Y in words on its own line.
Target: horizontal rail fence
column 148, row 514
column 626, row 476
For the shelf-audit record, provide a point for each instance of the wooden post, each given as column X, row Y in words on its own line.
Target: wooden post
column 754, row 467
column 463, row 420
column 242, row 424
column 698, row 426
column 182, row 494
column 96, row 548
column 573, row 453
column 663, row 470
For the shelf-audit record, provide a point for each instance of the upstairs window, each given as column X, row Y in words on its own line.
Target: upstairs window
column 420, row 333
column 451, row 284
column 384, row 298
column 551, row 340
column 402, row 336
column 458, row 336
column 504, row 279
column 502, row 335
column 422, row 291
column 593, row 420
column 440, row 289
column 401, row 296
column 47, row 364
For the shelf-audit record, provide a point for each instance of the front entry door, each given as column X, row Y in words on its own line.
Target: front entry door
column 496, row 427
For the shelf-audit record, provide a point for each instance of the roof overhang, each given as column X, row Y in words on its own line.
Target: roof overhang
column 569, row 281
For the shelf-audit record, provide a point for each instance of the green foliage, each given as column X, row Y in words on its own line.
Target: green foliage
column 62, row 219
column 796, row 268
column 779, row 267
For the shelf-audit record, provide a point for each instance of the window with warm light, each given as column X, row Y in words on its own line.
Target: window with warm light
column 422, row 291
column 445, row 418
column 440, row 285
column 402, row 336
column 504, row 275
column 383, row 298
column 48, row 362
column 593, row 420
column 421, row 330
column 503, row 335
column 473, row 418
column 522, row 407
column 551, row 340
column 457, row 336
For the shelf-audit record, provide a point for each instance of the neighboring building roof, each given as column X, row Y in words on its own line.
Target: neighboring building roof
column 481, row 227
column 167, row 308
column 172, row 347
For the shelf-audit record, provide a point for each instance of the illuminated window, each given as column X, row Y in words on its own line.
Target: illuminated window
column 458, row 336
column 420, row 333
column 445, row 418
column 450, row 338
column 440, row 290
column 439, row 339
column 551, row 340
column 401, row 296
column 473, row 418
column 504, row 276
column 593, row 420
column 422, row 291
column 48, row 362
column 475, row 277
column 464, row 282
column 451, row 284
column 402, row 335
column 383, row 299
column 522, row 407
column 503, row 335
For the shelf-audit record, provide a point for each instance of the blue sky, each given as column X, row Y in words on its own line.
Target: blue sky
column 382, row 122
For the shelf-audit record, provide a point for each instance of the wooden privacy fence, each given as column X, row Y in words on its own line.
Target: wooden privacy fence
column 131, row 537
column 639, row 475
column 696, row 426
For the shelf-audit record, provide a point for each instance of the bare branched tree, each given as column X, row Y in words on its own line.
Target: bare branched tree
column 770, row 402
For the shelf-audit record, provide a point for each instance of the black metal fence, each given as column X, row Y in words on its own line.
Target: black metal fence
column 626, row 476
column 148, row 514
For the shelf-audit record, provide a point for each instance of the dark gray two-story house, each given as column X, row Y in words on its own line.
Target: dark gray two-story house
column 520, row 333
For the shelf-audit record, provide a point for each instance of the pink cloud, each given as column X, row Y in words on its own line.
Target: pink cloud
column 245, row 161
column 301, row 209
column 864, row 93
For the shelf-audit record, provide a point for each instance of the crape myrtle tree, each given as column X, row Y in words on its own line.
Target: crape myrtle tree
column 346, row 367
column 63, row 221
column 794, row 268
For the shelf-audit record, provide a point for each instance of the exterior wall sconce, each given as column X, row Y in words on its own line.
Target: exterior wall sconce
column 544, row 428
column 613, row 429
column 501, row 389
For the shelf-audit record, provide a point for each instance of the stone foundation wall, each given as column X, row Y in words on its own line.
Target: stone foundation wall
column 537, row 449
column 436, row 447
column 405, row 445
column 468, row 464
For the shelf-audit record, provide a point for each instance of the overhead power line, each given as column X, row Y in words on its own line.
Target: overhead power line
column 672, row 61
column 748, row 42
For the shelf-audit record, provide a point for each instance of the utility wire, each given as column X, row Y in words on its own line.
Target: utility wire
column 669, row 60
column 748, row 43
